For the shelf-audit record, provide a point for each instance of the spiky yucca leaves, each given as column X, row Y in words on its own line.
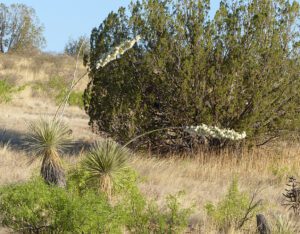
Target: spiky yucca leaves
column 104, row 162
column 48, row 138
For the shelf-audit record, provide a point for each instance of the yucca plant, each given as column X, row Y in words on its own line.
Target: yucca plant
column 48, row 138
column 105, row 161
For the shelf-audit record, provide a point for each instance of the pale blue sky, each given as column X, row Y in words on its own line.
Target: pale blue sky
column 63, row 19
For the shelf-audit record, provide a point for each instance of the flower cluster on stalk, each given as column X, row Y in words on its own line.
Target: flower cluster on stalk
column 117, row 51
column 215, row 132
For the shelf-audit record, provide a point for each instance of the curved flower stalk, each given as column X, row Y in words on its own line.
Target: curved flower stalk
column 200, row 130
column 117, row 51
column 215, row 132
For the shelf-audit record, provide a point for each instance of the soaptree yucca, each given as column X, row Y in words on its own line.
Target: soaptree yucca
column 105, row 161
column 48, row 138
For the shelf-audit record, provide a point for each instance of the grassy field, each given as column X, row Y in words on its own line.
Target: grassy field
column 204, row 177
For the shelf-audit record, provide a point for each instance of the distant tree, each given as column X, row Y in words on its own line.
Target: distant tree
column 239, row 70
column 73, row 46
column 20, row 29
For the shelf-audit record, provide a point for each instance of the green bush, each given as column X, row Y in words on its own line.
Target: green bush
column 146, row 217
column 76, row 99
column 230, row 211
column 6, row 91
column 238, row 70
column 57, row 87
column 35, row 207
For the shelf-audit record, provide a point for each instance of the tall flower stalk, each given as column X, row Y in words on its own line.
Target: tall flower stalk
column 202, row 130
column 48, row 138
column 215, row 132
column 116, row 52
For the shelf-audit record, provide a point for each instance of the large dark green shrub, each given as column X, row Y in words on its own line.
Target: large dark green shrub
column 239, row 70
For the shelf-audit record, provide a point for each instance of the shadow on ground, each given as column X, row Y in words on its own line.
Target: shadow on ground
column 15, row 140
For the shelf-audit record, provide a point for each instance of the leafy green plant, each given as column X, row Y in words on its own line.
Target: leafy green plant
column 57, row 87
column 105, row 161
column 76, row 99
column 35, row 207
column 48, row 138
column 6, row 91
column 147, row 217
column 234, row 210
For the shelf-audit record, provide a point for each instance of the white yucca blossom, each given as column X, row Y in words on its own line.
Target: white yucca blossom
column 117, row 51
column 215, row 132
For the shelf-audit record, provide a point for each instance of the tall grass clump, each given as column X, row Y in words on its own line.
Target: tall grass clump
column 48, row 138
column 104, row 163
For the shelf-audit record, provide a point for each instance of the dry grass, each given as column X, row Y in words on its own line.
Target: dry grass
column 14, row 165
column 23, row 69
column 206, row 177
column 203, row 178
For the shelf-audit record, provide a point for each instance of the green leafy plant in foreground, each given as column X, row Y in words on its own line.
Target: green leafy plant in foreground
column 36, row 207
column 234, row 210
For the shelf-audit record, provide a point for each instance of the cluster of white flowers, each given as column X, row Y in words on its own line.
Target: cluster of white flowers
column 215, row 132
column 117, row 51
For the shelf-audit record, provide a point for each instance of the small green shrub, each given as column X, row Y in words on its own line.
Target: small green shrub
column 76, row 99
column 231, row 211
column 36, row 207
column 57, row 87
column 146, row 217
column 6, row 91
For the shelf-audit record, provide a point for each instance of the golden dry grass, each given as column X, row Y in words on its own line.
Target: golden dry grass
column 14, row 167
column 24, row 69
column 206, row 177
column 203, row 178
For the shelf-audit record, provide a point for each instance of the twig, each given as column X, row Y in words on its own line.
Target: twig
column 251, row 207
column 266, row 141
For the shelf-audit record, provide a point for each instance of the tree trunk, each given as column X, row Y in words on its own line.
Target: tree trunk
column 53, row 173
